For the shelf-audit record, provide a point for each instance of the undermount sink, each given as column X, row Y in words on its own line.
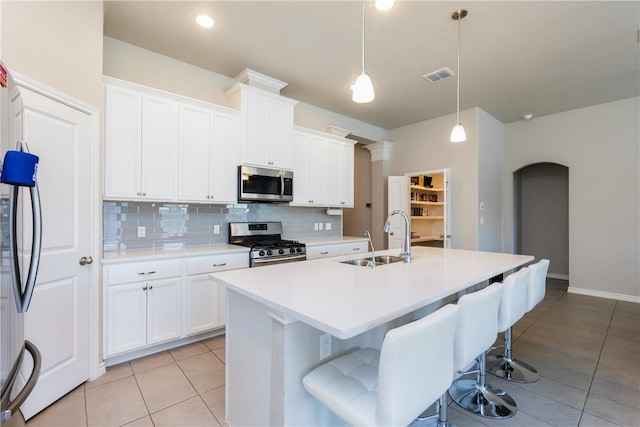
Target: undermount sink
column 379, row 260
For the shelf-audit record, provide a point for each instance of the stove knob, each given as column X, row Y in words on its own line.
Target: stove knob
column 298, row 249
column 269, row 252
column 280, row 251
column 261, row 253
column 292, row 251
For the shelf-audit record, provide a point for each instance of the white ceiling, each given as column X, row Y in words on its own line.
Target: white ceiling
column 518, row 57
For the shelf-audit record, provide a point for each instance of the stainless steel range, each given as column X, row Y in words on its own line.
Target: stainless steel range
column 266, row 243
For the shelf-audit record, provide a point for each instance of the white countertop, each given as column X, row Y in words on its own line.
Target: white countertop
column 145, row 254
column 345, row 300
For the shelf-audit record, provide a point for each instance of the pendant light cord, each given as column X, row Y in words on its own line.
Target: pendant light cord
column 458, row 84
column 363, row 36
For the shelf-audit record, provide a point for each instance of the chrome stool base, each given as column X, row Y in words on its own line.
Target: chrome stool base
column 511, row 370
column 486, row 400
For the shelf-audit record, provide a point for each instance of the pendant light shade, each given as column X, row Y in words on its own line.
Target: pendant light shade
column 457, row 133
column 384, row 5
column 363, row 87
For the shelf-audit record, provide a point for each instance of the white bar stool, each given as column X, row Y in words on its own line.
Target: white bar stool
column 390, row 387
column 513, row 306
column 477, row 330
column 506, row 367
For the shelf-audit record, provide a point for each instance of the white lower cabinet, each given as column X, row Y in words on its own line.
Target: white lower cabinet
column 143, row 304
column 156, row 301
column 205, row 303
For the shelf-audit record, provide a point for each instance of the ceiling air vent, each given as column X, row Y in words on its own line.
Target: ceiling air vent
column 440, row 74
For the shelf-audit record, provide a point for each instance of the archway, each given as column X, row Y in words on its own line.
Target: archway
column 541, row 215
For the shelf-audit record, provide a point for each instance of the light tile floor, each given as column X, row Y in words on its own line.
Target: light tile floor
column 586, row 349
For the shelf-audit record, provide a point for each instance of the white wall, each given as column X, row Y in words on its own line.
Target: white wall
column 57, row 43
column 424, row 146
column 128, row 62
column 490, row 164
column 600, row 145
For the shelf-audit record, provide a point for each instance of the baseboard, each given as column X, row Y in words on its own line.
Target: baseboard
column 601, row 294
column 558, row 276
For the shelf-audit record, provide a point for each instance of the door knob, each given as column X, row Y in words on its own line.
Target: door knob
column 86, row 260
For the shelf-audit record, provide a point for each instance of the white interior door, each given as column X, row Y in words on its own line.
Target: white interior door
column 58, row 319
column 398, row 199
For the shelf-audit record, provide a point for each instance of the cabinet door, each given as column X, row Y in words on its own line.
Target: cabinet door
column 311, row 167
column 224, row 164
column 123, row 114
column 280, row 134
column 194, row 141
column 159, row 135
column 164, row 312
column 340, row 173
column 126, row 318
column 203, row 302
column 254, row 129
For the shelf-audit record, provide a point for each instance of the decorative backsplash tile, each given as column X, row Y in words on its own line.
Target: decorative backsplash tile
column 175, row 224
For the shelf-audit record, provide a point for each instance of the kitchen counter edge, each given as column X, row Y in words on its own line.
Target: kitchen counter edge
column 154, row 254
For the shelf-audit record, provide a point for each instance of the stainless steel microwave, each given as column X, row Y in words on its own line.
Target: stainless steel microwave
column 264, row 185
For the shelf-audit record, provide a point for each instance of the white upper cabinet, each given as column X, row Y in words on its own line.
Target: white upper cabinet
column 323, row 172
column 266, row 127
column 140, row 145
column 341, row 172
column 207, row 166
column 310, row 154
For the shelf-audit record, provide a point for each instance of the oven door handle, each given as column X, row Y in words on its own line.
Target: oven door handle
column 282, row 260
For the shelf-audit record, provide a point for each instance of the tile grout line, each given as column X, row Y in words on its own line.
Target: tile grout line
column 595, row 369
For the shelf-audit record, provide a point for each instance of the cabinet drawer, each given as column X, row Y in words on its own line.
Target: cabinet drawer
column 144, row 270
column 355, row 247
column 324, row 251
column 213, row 263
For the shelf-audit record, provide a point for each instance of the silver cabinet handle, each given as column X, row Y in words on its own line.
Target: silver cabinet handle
column 220, row 265
column 147, row 273
column 145, row 288
column 323, row 253
column 85, row 260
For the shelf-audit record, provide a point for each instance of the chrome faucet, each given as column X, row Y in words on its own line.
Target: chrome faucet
column 406, row 247
column 373, row 252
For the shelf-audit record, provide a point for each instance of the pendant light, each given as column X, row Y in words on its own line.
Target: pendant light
column 363, row 88
column 457, row 133
column 384, row 5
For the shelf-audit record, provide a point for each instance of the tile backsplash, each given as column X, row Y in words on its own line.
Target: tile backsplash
column 175, row 224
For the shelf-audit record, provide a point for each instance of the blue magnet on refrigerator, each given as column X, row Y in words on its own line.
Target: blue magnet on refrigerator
column 19, row 168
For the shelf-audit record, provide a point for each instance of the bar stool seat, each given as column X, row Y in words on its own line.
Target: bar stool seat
column 390, row 387
column 477, row 330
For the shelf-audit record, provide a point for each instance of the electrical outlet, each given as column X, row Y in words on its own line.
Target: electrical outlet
column 320, row 226
column 325, row 346
column 316, row 226
column 481, row 220
column 327, row 226
column 216, row 229
column 142, row 231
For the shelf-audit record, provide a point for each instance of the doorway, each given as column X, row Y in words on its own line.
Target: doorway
column 541, row 217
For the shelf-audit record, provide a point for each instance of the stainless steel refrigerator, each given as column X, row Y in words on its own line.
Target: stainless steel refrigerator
column 19, row 263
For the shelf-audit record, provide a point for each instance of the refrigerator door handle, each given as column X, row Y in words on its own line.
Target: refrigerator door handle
column 11, row 407
column 23, row 298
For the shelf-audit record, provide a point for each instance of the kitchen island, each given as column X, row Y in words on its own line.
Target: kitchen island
column 276, row 316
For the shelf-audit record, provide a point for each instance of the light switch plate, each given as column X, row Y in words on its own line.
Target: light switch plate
column 216, row 229
column 327, row 226
column 142, row 231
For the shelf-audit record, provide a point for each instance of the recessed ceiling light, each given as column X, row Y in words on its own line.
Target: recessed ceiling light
column 204, row 20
